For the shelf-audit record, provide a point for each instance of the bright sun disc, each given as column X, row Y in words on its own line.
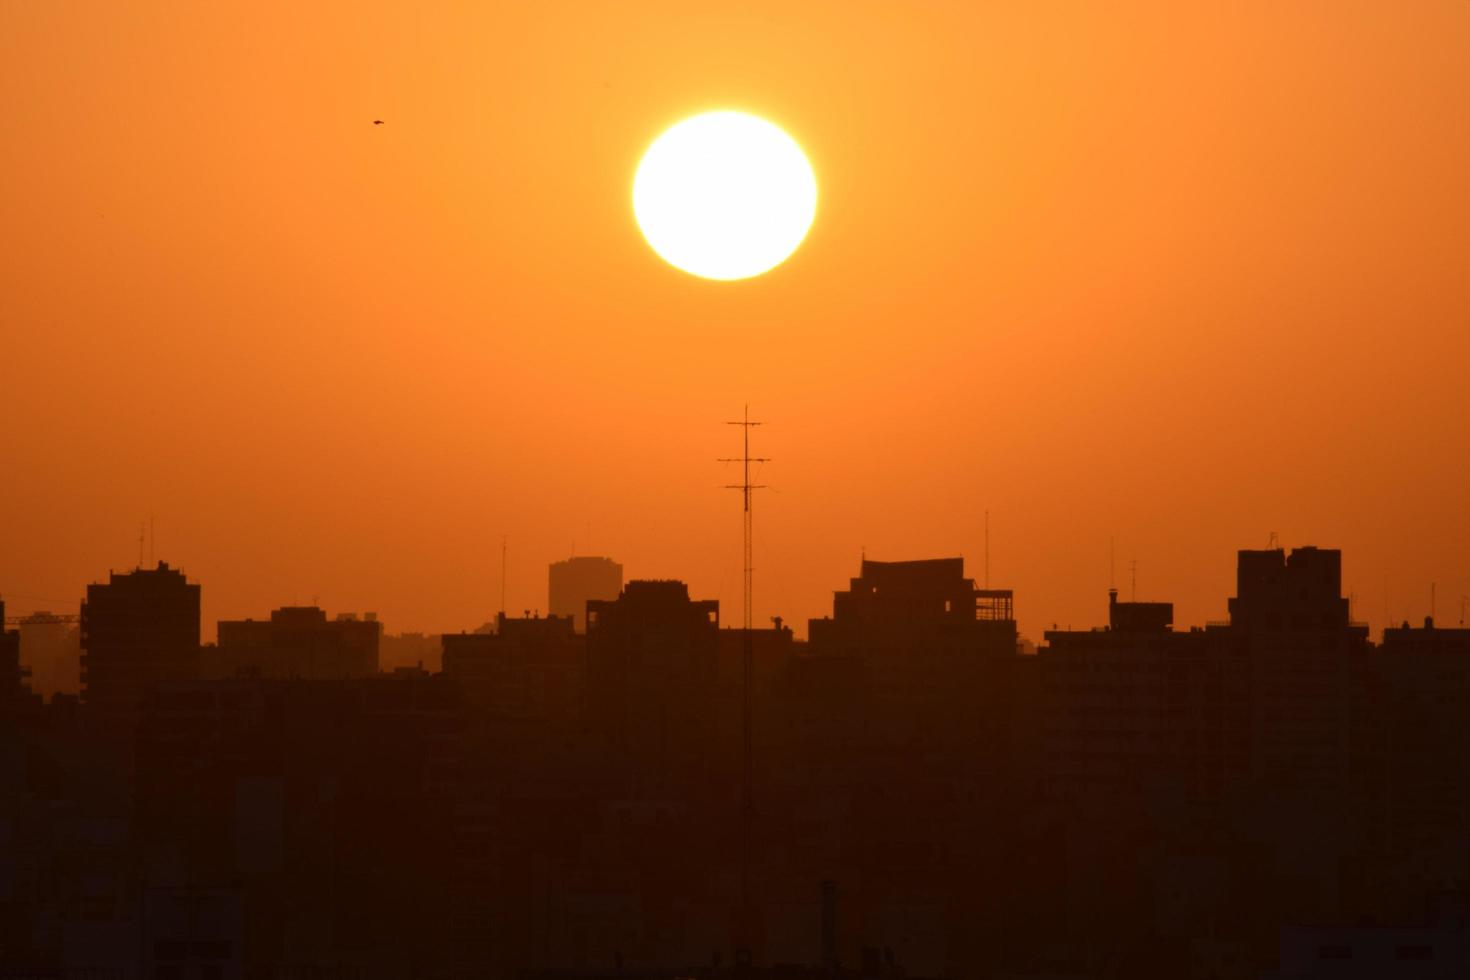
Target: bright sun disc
column 724, row 195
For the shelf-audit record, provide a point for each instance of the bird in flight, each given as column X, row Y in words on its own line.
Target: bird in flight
column 377, row 122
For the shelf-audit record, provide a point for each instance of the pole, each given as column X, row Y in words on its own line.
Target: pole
column 747, row 670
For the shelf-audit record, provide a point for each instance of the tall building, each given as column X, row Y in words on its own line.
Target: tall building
column 297, row 641
column 653, row 682
column 1296, row 593
column 891, row 604
column 931, row 649
column 138, row 629
column 576, row 581
column 1308, row 693
column 1425, row 741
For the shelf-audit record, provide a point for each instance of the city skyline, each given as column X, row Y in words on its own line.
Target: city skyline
column 788, row 490
column 44, row 623
column 1272, row 793
column 1440, row 599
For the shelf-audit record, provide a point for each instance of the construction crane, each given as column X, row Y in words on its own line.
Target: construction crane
column 40, row 619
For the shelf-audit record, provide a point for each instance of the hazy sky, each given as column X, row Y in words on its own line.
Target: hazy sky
column 1174, row 278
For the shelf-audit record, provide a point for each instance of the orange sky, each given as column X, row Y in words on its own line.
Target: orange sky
column 1180, row 279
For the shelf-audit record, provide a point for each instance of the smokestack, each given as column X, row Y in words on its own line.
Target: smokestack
column 829, row 925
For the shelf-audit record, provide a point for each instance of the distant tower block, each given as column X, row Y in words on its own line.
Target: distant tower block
column 576, row 580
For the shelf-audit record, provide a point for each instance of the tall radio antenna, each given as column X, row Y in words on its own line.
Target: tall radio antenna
column 504, row 546
column 987, row 548
column 747, row 669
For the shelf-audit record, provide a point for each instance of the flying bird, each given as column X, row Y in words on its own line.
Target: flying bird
column 377, row 122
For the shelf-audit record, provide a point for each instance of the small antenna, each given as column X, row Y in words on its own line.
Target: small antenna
column 1112, row 563
column 987, row 549
column 1133, row 572
column 1273, row 543
column 504, row 546
column 141, row 540
column 1431, row 602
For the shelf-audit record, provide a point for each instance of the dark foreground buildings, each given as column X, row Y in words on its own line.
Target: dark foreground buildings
column 1274, row 796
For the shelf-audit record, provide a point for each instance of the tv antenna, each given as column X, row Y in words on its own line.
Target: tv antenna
column 504, row 546
column 747, row 670
column 987, row 548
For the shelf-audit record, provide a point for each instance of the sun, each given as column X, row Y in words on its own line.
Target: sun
column 724, row 195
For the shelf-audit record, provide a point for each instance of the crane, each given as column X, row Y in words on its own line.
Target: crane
column 41, row 619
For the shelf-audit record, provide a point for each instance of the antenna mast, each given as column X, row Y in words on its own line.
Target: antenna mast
column 504, row 541
column 747, row 669
column 987, row 548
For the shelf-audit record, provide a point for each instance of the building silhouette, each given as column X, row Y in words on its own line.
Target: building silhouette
column 297, row 641
column 1424, row 678
column 925, row 646
column 1309, row 671
column 138, row 629
column 578, row 580
column 653, row 684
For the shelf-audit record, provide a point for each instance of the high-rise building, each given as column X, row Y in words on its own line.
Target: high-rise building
column 138, row 629
column 1425, row 742
column 576, row 581
column 892, row 604
column 297, row 641
column 1309, row 673
column 653, row 682
column 931, row 649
